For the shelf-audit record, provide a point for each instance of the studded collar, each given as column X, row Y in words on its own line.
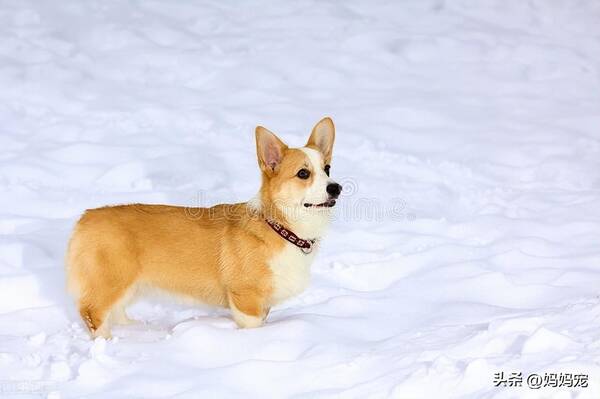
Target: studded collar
column 305, row 245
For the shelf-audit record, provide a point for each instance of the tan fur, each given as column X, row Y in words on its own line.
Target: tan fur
column 220, row 256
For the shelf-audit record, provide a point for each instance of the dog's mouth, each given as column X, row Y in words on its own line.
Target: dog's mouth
column 327, row 204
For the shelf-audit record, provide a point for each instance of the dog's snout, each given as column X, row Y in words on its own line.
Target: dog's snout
column 334, row 189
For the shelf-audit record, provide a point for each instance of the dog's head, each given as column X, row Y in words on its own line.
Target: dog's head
column 298, row 179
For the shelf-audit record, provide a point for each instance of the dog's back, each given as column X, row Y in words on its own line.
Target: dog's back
column 115, row 251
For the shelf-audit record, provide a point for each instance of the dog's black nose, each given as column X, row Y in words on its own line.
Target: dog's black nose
column 334, row 189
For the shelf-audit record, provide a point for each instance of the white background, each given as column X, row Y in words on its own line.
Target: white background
column 471, row 128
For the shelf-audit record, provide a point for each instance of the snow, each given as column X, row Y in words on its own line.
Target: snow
column 466, row 242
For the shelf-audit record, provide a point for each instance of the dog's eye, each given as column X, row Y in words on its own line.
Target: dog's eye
column 327, row 167
column 303, row 173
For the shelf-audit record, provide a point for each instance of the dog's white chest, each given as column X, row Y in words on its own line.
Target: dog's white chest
column 291, row 272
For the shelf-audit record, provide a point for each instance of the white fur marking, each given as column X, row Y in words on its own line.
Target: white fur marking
column 291, row 267
column 317, row 193
column 291, row 272
column 311, row 223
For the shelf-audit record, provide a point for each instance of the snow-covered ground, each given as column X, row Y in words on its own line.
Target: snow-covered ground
column 468, row 140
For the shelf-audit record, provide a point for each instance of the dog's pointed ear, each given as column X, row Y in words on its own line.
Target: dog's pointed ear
column 269, row 149
column 322, row 138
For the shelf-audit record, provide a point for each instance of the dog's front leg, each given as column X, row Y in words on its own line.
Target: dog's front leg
column 248, row 307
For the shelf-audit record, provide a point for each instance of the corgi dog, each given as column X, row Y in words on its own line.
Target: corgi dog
column 247, row 256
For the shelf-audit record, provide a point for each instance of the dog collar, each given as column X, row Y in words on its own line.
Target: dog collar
column 305, row 245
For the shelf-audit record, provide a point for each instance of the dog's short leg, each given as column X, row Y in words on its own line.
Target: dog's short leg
column 248, row 308
column 119, row 316
column 100, row 308
column 96, row 320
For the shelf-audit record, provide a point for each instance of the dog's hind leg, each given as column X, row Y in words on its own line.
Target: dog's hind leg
column 103, row 302
column 118, row 314
column 99, row 311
